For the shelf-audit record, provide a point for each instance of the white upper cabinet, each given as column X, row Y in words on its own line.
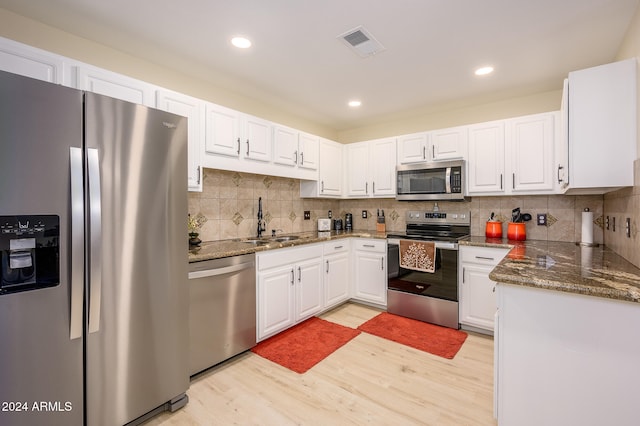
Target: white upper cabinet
column 371, row 168
column 485, row 168
column 308, row 149
column 115, row 85
column 30, row 62
column 330, row 168
column 449, row 144
column 285, row 146
column 296, row 150
column 257, row 138
column 413, row 148
column 602, row 127
column 437, row 145
column 530, row 140
column 222, row 131
column 194, row 110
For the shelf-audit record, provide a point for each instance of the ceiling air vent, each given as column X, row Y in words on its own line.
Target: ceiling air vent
column 361, row 42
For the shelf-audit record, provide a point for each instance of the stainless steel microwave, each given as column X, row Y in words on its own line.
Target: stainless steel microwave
column 431, row 181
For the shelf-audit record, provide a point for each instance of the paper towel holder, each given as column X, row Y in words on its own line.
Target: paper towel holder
column 582, row 244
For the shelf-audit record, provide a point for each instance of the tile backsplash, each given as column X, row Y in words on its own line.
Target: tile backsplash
column 229, row 203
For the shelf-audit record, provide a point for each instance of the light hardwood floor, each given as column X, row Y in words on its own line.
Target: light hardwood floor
column 370, row 380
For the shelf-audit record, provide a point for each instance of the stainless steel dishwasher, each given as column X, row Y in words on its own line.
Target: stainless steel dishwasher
column 222, row 314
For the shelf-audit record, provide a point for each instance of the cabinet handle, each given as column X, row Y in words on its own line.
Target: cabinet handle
column 368, row 245
column 433, row 151
column 321, row 186
column 327, row 266
column 296, row 154
column 484, row 258
column 247, row 147
column 302, row 158
column 292, row 276
column 299, row 274
column 424, row 152
column 382, row 263
column 559, row 168
column 374, row 187
column 337, row 247
column 366, row 187
column 463, row 275
column 198, row 175
column 513, row 180
column 238, row 146
column 494, row 289
column 500, row 181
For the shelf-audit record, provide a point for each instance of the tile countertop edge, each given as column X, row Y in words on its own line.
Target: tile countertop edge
column 565, row 267
column 210, row 250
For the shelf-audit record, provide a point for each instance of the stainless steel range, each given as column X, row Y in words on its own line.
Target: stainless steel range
column 428, row 296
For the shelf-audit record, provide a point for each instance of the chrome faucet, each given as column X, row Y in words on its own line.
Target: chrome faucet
column 261, row 225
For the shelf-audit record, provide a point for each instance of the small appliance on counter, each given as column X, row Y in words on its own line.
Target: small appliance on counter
column 324, row 224
column 337, row 224
column 348, row 222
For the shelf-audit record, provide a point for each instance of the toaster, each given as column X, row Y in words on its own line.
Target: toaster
column 324, row 224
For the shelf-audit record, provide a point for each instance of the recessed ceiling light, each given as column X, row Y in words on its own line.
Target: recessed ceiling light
column 484, row 70
column 354, row 104
column 241, row 42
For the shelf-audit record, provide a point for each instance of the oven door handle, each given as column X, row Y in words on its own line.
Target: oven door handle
column 439, row 244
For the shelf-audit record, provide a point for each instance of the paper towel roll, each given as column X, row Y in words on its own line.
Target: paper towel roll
column 587, row 227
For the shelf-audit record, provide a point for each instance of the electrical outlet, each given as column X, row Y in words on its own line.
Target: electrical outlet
column 307, row 215
column 329, row 214
column 364, row 214
column 542, row 219
column 627, row 227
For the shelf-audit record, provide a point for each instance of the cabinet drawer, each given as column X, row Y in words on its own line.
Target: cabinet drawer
column 379, row 246
column 482, row 255
column 287, row 256
column 338, row 246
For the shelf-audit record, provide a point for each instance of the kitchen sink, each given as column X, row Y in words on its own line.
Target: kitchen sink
column 286, row 238
column 256, row 241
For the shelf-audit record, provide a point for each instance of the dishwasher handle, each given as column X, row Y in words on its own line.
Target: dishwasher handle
column 220, row 271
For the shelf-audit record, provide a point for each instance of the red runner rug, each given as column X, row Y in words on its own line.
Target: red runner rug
column 441, row 341
column 306, row 344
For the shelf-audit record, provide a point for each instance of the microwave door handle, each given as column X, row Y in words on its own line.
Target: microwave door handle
column 448, row 180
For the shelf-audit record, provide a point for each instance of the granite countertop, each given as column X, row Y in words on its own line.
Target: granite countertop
column 225, row 248
column 564, row 266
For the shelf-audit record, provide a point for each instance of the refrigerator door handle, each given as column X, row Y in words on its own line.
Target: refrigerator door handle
column 95, row 239
column 77, row 242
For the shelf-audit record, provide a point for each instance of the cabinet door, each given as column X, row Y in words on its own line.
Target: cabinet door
column 222, row 131
column 477, row 297
column 358, row 170
column 330, row 168
column 257, row 139
column 193, row 109
column 413, row 148
column 275, row 300
column 370, row 277
column 383, row 167
column 530, row 140
column 486, row 157
column 309, row 288
column 29, row 62
column 285, row 146
column 449, row 144
column 336, row 279
column 308, row 146
column 115, row 85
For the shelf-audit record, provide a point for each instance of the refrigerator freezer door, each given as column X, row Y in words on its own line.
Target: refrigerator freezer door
column 40, row 364
column 137, row 358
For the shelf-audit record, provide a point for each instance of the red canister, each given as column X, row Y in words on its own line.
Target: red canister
column 516, row 231
column 493, row 229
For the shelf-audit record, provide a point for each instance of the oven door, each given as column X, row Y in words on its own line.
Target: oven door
column 441, row 284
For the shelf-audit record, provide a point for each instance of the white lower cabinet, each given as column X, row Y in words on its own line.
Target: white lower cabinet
column 336, row 272
column 370, row 271
column 289, row 287
column 477, row 292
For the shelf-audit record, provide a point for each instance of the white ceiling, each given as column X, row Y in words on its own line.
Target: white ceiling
column 297, row 63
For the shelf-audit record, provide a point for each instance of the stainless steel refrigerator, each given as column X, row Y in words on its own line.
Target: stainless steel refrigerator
column 93, row 243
